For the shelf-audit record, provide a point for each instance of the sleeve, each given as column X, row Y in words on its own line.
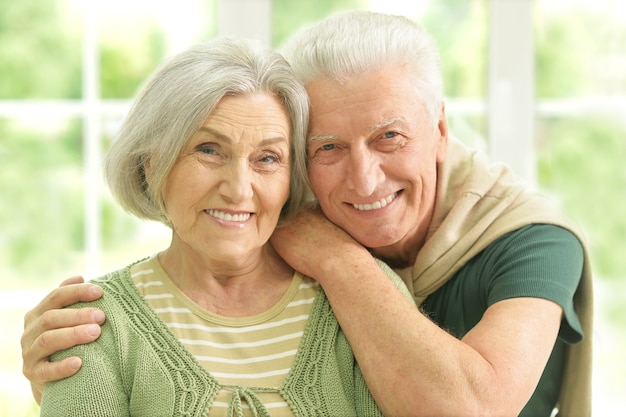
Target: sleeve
column 542, row 261
column 396, row 280
column 97, row 388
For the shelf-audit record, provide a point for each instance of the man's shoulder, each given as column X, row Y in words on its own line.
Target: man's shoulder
column 534, row 260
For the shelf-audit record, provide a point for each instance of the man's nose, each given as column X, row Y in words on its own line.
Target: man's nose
column 365, row 172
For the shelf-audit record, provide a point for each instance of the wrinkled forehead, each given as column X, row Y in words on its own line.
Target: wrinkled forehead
column 374, row 97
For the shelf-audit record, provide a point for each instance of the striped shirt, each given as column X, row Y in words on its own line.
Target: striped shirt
column 256, row 352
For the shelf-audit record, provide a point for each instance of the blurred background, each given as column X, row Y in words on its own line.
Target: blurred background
column 539, row 84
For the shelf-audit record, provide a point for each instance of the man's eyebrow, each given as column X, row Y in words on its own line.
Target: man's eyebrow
column 221, row 136
column 377, row 126
column 331, row 137
column 321, row 138
column 386, row 123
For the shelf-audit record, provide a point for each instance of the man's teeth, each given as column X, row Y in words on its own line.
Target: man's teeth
column 229, row 217
column 378, row 204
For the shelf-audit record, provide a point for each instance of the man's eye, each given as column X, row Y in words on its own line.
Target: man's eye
column 389, row 135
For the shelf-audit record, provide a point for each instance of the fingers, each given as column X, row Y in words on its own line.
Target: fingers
column 63, row 296
column 75, row 326
column 51, row 371
column 70, row 328
column 49, row 328
column 68, row 318
column 36, row 365
column 73, row 280
column 55, row 340
column 47, row 314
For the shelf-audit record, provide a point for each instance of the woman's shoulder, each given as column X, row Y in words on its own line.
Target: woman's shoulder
column 119, row 292
column 119, row 280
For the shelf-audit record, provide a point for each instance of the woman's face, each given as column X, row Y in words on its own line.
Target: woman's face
column 226, row 190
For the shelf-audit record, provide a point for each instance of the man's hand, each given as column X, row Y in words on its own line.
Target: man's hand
column 49, row 328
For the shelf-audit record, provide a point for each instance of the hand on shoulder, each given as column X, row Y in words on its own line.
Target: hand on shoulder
column 49, row 328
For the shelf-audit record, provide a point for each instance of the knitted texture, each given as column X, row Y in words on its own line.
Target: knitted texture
column 137, row 367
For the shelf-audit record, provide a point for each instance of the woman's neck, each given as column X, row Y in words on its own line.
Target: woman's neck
column 231, row 288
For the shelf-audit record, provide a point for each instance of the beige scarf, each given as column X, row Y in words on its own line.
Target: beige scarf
column 477, row 203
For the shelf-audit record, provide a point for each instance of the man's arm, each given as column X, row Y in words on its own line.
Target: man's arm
column 49, row 328
column 412, row 366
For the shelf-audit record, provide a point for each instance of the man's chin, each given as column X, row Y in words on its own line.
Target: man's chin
column 371, row 239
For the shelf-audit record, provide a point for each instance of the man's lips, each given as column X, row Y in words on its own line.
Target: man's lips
column 377, row 204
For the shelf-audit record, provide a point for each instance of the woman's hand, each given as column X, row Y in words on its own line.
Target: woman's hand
column 49, row 328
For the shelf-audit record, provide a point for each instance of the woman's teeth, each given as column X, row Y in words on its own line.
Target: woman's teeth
column 227, row 216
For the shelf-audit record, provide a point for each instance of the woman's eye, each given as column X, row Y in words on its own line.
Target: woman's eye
column 208, row 149
column 269, row 158
column 327, row 147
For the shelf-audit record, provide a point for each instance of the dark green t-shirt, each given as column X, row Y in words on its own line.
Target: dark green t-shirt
column 539, row 260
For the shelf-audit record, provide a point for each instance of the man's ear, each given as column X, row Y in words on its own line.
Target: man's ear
column 442, row 132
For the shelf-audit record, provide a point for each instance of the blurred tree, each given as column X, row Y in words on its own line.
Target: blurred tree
column 289, row 15
column 124, row 68
column 583, row 167
column 563, row 52
column 41, row 201
column 580, row 52
column 39, row 54
column 580, row 157
column 459, row 28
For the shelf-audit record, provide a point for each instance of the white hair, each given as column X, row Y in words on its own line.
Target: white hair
column 174, row 103
column 351, row 43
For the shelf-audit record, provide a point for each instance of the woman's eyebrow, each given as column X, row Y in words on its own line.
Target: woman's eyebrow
column 271, row 141
column 217, row 134
column 221, row 136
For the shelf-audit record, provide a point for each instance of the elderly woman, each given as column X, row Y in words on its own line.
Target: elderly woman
column 216, row 324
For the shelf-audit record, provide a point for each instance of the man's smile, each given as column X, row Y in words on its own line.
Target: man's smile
column 377, row 204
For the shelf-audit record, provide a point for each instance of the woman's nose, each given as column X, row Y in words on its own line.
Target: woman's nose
column 236, row 185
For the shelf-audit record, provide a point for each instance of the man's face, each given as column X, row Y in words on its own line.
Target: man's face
column 373, row 151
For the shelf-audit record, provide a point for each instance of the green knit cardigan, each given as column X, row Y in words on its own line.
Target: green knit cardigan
column 137, row 367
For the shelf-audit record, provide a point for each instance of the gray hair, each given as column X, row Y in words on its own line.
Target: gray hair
column 175, row 102
column 354, row 42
